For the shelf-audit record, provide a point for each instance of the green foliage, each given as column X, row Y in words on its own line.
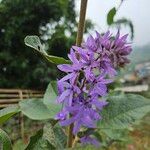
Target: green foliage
column 60, row 137
column 120, row 135
column 48, row 138
column 8, row 112
column 110, row 137
column 50, row 97
column 123, row 110
column 5, row 143
column 38, row 143
column 41, row 109
column 34, row 42
column 19, row 66
column 19, row 145
column 35, row 109
column 110, row 16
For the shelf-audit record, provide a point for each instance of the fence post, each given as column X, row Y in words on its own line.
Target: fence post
column 21, row 118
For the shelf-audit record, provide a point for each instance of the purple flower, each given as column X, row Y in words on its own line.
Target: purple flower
column 120, row 49
column 98, row 103
column 81, row 116
column 100, row 85
column 62, row 115
column 89, row 140
column 73, row 69
column 107, row 67
column 67, row 94
column 91, row 44
column 87, row 60
column 84, row 113
column 93, row 67
column 104, row 40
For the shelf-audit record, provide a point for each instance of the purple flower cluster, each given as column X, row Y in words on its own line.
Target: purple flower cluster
column 92, row 68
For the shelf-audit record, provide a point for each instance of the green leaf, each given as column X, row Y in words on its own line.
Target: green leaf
column 5, row 143
column 56, row 60
column 34, row 42
column 117, row 134
column 125, row 22
column 34, row 140
column 124, row 110
column 41, row 109
column 35, row 109
column 55, row 135
column 19, row 145
column 8, row 112
column 48, row 138
column 50, row 98
column 61, row 138
column 49, row 135
column 38, row 143
column 110, row 16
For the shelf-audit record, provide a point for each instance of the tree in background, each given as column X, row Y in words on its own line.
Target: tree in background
column 49, row 19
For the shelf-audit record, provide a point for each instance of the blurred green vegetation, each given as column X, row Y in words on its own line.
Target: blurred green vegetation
column 55, row 23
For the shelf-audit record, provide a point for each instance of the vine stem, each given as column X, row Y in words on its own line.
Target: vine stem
column 81, row 26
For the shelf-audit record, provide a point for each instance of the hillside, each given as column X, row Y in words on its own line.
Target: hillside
column 140, row 54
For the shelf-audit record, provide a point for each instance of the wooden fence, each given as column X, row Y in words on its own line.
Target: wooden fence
column 10, row 97
column 13, row 96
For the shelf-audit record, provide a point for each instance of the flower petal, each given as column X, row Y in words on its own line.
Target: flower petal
column 69, row 76
column 65, row 68
column 72, row 56
column 63, row 96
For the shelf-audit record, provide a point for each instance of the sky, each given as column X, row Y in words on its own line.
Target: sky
column 137, row 11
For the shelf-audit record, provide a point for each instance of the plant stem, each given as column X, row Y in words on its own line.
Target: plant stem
column 75, row 141
column 81, row 24
column 79, row 38
column 70, row 136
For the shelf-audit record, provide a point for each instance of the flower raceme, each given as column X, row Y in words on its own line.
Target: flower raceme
column 92, row 68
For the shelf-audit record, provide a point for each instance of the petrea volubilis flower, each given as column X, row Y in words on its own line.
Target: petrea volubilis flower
column 89, row 140
column 73, row 69
column 92, row 68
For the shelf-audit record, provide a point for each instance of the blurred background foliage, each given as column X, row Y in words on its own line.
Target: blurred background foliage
column 55, row 23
